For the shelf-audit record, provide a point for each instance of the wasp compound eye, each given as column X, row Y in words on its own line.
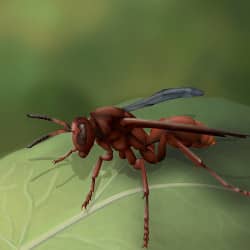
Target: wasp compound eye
column 81, row 137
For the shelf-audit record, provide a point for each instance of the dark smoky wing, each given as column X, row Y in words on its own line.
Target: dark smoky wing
column 173, row 126
column 162, row 96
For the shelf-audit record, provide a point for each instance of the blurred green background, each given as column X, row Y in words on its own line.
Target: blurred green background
column 65, row 58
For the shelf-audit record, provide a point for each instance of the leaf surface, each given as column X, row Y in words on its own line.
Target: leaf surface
column 40, row 204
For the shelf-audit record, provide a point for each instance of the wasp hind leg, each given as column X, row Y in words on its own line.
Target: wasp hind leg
column 197, row 161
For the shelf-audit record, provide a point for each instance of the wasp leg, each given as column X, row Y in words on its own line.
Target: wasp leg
column 151, row 155
column 107, row 157
column 62, row 158
column 139, row 164
column 194, row 158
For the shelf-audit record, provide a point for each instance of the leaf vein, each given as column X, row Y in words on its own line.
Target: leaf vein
column 30, row 207
column 75, row 219
column 49, row 190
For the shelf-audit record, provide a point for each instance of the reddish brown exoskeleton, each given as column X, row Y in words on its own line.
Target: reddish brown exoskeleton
column 117, row 129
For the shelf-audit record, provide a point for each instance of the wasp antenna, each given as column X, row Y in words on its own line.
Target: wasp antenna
column 45, row 137
column 38, row 116
column 45, row 117
column 42, row 138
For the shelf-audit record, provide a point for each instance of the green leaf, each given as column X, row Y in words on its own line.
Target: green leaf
column 40, row 203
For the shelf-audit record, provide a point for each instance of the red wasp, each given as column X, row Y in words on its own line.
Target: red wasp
column 117, row 129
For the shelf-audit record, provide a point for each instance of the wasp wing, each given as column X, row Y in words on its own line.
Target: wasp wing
column 162, row 96
column 173, row 126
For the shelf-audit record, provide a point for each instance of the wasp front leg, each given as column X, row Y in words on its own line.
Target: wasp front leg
column 107, row 157
column 62, row 158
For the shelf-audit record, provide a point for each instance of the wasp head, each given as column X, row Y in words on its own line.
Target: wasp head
column 83, row 135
